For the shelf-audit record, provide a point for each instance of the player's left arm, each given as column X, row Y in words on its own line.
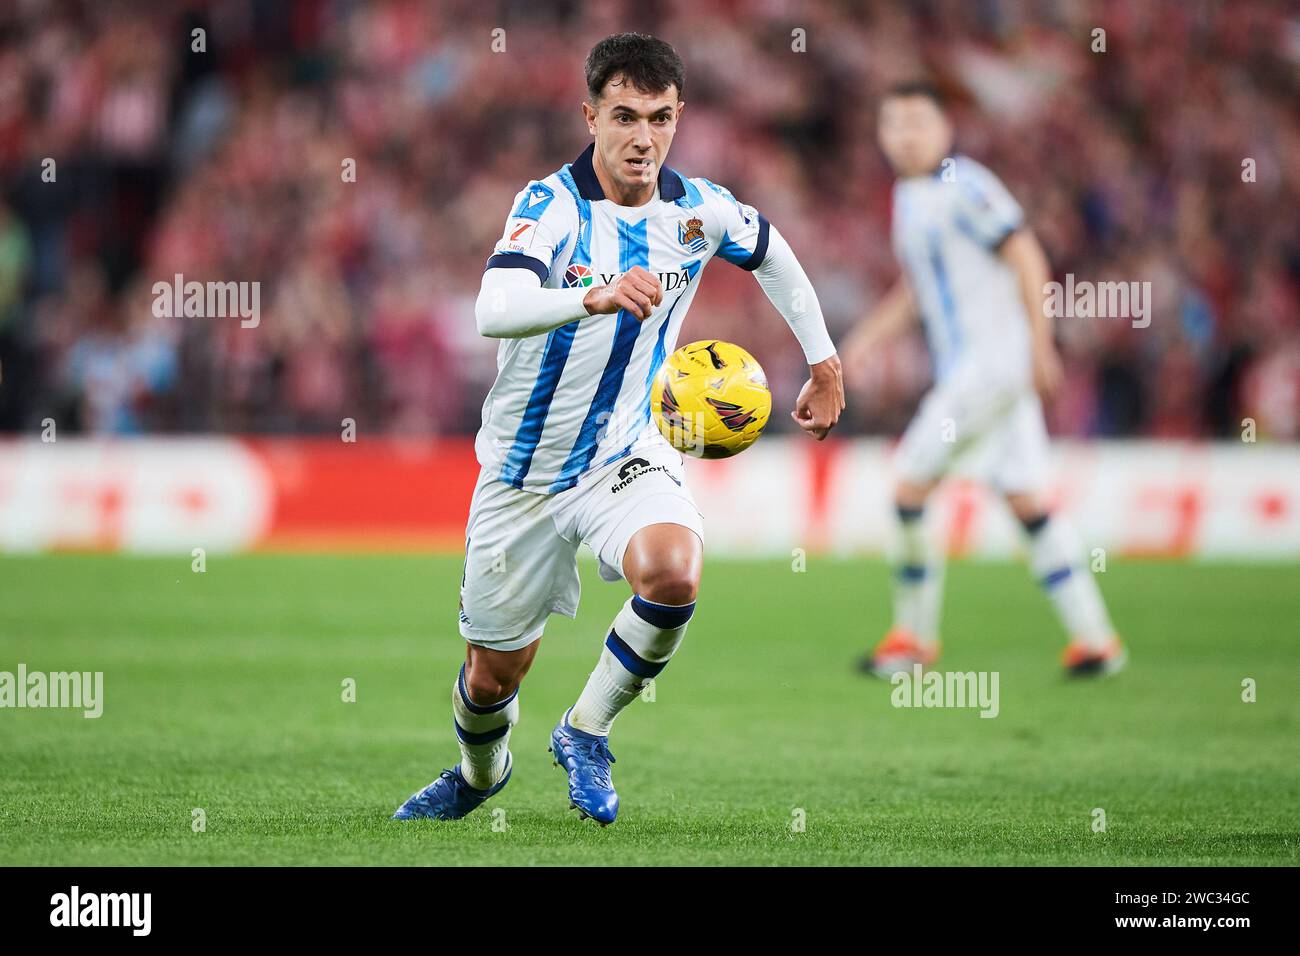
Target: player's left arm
column 752, row 243
column 1022, row 251
column 989, row 214
column 783, row 280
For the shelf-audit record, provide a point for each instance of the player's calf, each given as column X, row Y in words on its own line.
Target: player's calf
column 1055, row 556
column 643, row 638
column 483, row 732
column 490, row 675
column 918, row 590
column 662, row 563
column 485, row 706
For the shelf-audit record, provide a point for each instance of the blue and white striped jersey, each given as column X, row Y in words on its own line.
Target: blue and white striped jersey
column 947, row 229
column 579, row 397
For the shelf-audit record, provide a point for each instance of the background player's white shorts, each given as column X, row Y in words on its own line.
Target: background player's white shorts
column 521, row 547
column 972, row 425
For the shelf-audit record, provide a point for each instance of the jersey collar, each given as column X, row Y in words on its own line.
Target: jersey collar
column 584, row 177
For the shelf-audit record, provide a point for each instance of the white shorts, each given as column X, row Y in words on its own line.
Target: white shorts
column 994, row 434
column 521, row 547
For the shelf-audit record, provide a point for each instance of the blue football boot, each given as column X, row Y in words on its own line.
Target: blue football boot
column 449, row 797
column 587, row 758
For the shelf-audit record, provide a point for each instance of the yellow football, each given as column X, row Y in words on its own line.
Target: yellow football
column 711, row 399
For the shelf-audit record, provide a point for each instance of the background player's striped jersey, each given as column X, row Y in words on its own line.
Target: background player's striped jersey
column 947, row 229
column 579, row 396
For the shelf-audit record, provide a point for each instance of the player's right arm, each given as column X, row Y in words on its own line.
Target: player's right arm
column 513, row 304
column 514, row 301
column 895, row 311
column 637, row 290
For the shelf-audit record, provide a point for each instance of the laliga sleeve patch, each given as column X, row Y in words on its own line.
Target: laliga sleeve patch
column 519, row 236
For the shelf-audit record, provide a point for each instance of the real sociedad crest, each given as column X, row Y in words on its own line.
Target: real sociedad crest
column 690, row 233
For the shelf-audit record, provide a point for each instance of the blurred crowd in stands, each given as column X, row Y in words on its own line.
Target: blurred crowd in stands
column 133, row 148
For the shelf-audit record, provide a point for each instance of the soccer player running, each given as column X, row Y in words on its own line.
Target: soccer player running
column 588, row 288
column 975, row 274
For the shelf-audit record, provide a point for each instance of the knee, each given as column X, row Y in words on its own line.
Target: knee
column 910, row 497
column 674, row 584
column 491, row 682
column 1031, row 512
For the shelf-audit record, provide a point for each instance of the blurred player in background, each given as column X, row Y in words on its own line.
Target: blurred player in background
column 588, row 288
column 975, row 274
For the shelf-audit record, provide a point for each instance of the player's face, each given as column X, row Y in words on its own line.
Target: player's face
column 914, row 134
column 633, row 131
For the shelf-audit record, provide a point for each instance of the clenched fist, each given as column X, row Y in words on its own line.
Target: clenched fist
column 636, row 290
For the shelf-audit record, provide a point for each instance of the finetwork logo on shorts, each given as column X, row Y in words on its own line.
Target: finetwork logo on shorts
column 103, row 909
column 57, row 689
column 634, row 469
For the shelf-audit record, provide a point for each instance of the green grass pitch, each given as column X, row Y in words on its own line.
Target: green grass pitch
column 223, row 691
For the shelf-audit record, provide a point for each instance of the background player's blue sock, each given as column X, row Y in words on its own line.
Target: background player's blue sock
column 483, row 731
column 639, row 644
column 1055, row 555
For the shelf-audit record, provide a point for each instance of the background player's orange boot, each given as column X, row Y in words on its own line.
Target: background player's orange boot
column 1083, row 660
column 898, row 652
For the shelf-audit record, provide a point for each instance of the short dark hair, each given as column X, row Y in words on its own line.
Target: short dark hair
column 916, row 88
column 646, row 62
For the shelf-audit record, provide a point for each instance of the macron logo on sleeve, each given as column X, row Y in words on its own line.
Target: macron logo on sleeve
column 534, row 202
